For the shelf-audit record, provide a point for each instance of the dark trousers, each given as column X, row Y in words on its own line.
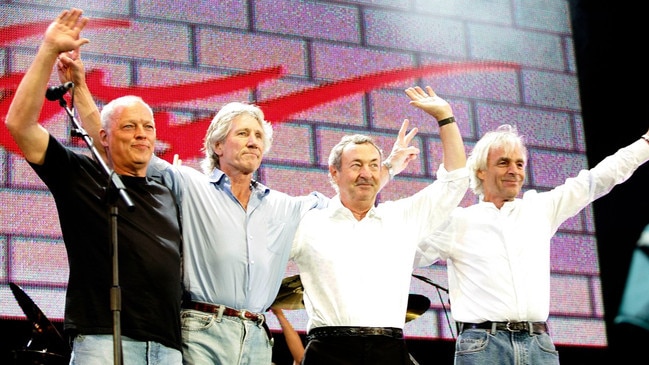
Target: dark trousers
column 357, row 350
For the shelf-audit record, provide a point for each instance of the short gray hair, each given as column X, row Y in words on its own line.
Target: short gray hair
column 335, row 156
column 108, row 111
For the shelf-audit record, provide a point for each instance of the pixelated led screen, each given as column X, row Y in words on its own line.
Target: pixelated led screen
column 319, row 69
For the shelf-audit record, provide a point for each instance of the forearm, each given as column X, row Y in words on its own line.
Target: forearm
column 294, row 343
column 452, row 146
column 385, row 173
column 88, row 114
column 293, row 340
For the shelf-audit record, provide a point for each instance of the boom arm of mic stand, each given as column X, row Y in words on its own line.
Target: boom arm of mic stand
column 427, row 280
column 114, row 178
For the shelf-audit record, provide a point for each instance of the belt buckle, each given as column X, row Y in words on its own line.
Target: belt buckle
column 242, row 314
column 510, row 329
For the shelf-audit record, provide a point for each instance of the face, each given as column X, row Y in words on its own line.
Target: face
column 242, row 149
column 359, row 175
column 504, row 177
column 130, row 140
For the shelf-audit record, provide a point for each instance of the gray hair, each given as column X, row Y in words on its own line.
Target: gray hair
column 505, row 136
column 335, row 156
column 221, row 125
column 109, row 110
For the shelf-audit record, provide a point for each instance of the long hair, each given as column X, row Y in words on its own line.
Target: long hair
column 221, row 125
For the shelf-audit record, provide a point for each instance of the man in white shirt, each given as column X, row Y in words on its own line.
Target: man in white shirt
column 355, row 257
column 498, row 250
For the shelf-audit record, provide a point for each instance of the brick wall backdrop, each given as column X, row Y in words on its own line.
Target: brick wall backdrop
column 320, row 69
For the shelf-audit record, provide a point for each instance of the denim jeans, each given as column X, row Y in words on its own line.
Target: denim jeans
column 213, row 339
column 98, row 350
column 479, row 347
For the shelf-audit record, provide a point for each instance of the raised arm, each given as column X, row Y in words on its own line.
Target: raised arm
column 440, row 109
column 70, row 67
column 62, row 35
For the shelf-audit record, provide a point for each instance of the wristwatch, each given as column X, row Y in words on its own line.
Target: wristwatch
column 388, row 165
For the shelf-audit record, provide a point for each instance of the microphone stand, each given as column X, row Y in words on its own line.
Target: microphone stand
column 439, row 293
column 115, row 184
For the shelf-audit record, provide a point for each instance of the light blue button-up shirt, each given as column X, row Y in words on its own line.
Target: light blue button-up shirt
column 233, row 256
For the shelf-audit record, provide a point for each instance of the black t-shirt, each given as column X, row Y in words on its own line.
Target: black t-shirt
column 149, row 247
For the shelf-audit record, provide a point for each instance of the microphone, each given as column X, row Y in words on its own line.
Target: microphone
column 54, row 93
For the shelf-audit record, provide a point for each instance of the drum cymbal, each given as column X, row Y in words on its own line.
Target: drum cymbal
column 417, row 305
column 290, row 294
column 46, row 341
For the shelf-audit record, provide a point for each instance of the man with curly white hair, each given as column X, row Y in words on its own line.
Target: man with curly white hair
column 498, row 250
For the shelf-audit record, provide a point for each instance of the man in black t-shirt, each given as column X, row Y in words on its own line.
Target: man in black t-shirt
column 148, row 236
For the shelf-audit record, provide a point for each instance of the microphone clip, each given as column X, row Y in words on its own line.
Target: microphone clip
column 55, row 93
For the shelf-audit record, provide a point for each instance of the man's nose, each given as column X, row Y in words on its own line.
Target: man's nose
column 365, row 171
column 253, row 141
column 140, row 131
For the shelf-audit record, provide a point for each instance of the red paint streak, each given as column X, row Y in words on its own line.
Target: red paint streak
column 280, row 109
column 276, row 110
column 157, row 95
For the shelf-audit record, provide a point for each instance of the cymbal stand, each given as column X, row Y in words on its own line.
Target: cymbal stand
column 441, row 300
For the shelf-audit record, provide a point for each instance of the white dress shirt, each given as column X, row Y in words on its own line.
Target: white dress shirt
column 499, row 259
column 357, row 273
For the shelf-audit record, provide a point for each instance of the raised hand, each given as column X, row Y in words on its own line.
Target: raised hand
column 429, row 102
column 402, row 153
column 62, row 35
column 69, row 67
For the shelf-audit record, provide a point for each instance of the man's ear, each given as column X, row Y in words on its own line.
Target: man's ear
column 334, row 173
column 218, row 149
column 103, row 138
column 480, row 174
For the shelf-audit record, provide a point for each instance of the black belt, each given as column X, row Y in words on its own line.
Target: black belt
column 226, row 311
column 493, row 327
column 335, row 331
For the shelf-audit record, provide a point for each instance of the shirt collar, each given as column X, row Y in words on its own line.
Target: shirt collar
column 337, row 208
column 507, row 206
column 218, row 177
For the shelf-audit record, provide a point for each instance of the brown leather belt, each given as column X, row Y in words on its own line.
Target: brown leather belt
column 493, row 327
column 227, row 311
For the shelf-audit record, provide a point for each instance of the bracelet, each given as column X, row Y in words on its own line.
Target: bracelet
column 446, row 121
column 645, row 137
column 388, row 165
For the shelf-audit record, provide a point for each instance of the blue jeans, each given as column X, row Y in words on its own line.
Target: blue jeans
column 98, row 350
column 213, row 339
column 479, row 347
